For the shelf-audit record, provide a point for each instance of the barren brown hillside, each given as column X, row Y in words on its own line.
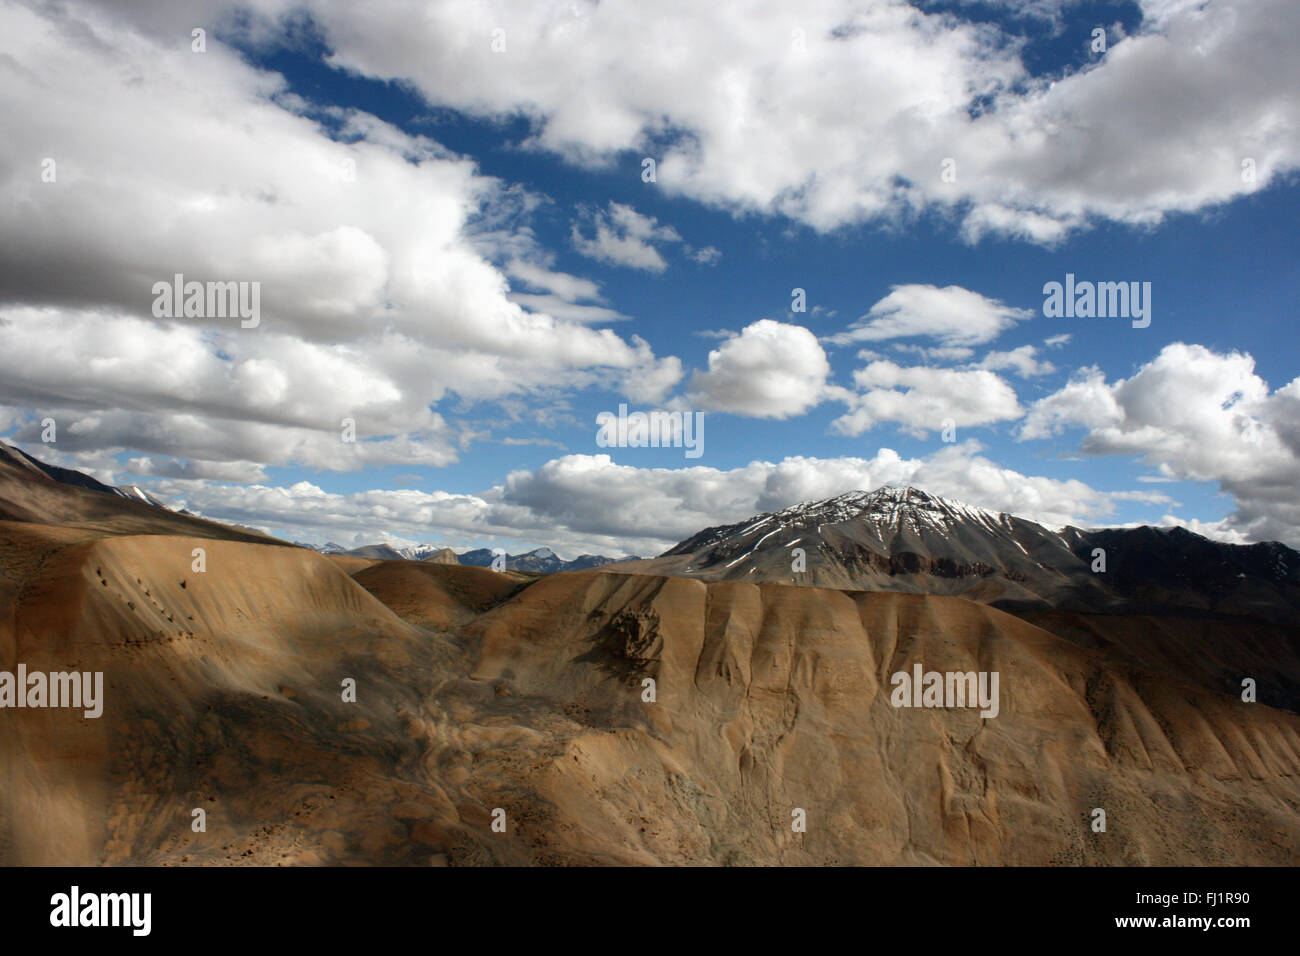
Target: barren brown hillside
column 477, row 691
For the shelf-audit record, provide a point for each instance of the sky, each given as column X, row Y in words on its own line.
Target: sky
column 825, row 230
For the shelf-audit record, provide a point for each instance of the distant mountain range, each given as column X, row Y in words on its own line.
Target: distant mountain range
column 892, row 539
column 537, row 561
column 903, row 539
column 540, row 561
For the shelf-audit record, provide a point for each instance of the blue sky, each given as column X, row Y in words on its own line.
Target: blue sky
column 489, row 186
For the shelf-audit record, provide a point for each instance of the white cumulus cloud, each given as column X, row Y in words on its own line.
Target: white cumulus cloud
column 956, row 317
column 924, row 399
column 770, row 370
column 1195, row 414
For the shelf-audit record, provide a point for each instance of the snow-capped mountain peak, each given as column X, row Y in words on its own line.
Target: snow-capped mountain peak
column 902, row 538
column 418, row 552
column 884, row 512
column 887, row 505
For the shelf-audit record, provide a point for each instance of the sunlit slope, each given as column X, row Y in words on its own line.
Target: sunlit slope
column 774, row 698
column 478, row 692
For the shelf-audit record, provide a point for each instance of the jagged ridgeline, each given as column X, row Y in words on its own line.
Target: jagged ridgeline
column 900, row 538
